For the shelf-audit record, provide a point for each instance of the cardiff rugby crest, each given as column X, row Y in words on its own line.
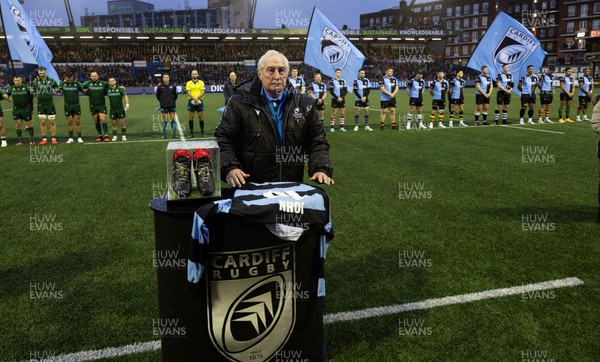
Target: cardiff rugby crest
column 22, row 24
column 334, row 48
column 250, row 317
column 514, row 49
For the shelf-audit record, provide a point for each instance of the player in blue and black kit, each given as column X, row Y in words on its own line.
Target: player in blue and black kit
column 567, row 90
column 457, row 98
column 483, row 93
column 318, row 92
column 546, row 95
column 505, row 84
column 388, row 88
column 297, row 82
column 586, row 86
column 361, row 91
column 415, row 92
column 338, row 91
column 527, row 85
column 438, row 89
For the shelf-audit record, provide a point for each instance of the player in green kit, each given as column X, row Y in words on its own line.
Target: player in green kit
column 2, row 129
column 20, row 95
column 117, row 111
column 70, row 90
column 96, row 90
column 44, row 88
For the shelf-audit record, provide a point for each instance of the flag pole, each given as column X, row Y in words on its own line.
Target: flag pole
column 6, row 39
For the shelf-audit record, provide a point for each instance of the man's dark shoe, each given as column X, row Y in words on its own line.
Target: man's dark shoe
column 205, row 179
column 182, row 181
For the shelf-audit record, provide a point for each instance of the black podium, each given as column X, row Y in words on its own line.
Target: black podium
column 180, row 322
column 257, row 299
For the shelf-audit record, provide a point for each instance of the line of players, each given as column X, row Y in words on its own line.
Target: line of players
column 440, row 87
column 44, row 88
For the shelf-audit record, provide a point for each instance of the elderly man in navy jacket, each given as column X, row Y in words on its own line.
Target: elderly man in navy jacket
column 268, row 132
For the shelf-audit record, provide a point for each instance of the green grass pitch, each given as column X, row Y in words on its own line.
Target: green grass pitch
column 417, row 215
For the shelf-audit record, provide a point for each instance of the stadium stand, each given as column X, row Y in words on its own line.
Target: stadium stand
column 214, row 61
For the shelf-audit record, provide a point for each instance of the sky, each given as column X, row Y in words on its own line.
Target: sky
column 269, row 13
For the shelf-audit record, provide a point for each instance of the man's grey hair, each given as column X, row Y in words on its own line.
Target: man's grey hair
column 273, row 53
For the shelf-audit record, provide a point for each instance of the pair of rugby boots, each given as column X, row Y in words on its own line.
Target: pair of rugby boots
column 184, row 163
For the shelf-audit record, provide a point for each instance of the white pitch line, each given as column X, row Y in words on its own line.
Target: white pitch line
column 344, row 316
column 181, row 136
column 107, row 352
column 125, row 142
column 142, row 141
column 456, row 299
column 531, row 129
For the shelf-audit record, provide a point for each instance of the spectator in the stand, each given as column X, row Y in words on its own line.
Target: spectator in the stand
column 223, row 61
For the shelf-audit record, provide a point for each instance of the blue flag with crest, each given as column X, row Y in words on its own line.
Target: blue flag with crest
column 328, row 49
column 24, row 41
column 507, row 42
